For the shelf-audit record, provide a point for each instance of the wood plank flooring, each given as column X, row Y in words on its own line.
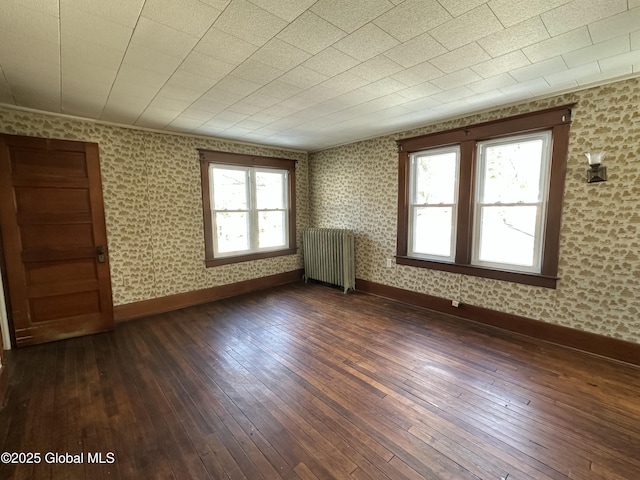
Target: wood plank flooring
column 303, row 382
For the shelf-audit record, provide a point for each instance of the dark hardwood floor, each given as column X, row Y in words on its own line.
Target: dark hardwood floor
column 303, row 382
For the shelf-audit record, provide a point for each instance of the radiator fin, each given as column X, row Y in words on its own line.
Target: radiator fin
column 329, row 256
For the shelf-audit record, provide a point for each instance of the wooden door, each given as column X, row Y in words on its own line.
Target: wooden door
column 54, row 239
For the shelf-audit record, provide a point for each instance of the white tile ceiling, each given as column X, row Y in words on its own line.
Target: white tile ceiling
column 303, row 73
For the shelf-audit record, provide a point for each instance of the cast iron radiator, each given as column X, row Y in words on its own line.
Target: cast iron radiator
column 329, row 256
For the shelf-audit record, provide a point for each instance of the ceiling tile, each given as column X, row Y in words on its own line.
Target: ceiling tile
column 493, row 98
column 281, row 90
column 526, row 89
column 149, row 59
column 257, row 72
column 344, row 82
column 208, row 106
column 453, row 95
column 625, row 22
column 580, row 12
column 384, row 86
column 492, row 83
column 540, row 69
column 505, row 63
column 192, row 17
column 620, row 61
column 249, row 22
column 366, row 42
column 76, row 26
column 124, row 12
column 197, row 114
column 184, row 124
column 416, row 50
column 237, row 85
column 18, row 47
column 458, row 7
column 261, row 100
column 376, row 68
column 16, row 18
column 511, row 13
column 162, row 101
column 351, row 15
column 460, row 58
column 635, row 40
column 155, row 117
column 84, row 73
column 219, row 97
column 311, row 33
column 330, row 62
column 225, row 47
column 456, row 79
column 566, row 42
column 400, row 21
column 422, row 90
column 606, row 74
column 184, row 79
column 280, row 54
column 124, row 110
column 180, row 93
column 288, row 10
column 244, row 108
column 302, row 78
column 156, row 36
column 516, row 37
column 83, row 105
column 39, row 6
column 206, row 66
column 418, row 74
column 597, row 52
column 5, row 91
column 572, row 75
column 131, row 88
column 142, row 76
column 467, row 28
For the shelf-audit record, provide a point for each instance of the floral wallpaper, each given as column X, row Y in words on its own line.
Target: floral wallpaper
column 153, row 205
column 355, row 186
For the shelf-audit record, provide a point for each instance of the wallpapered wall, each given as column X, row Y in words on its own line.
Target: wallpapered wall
column 153, row 205
column 355, row 186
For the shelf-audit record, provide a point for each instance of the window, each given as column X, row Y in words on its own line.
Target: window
column 486, row 200
column 249, row 207
column 433, row 207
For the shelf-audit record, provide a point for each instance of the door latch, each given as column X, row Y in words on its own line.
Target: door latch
column 100, row 254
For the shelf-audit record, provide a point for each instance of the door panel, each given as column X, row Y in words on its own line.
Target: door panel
column 52, row 221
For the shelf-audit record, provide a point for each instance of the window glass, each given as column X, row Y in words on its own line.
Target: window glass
column 229, row 189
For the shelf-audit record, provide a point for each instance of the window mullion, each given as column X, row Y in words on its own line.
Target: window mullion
column 466, row 192
column 253, row 212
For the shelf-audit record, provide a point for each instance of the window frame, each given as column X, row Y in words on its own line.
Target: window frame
column 413, row 205
column 242, row 161
column 557, row 120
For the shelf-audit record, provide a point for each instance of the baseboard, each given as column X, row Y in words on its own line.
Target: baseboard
column 613, row 348
column 154, row 306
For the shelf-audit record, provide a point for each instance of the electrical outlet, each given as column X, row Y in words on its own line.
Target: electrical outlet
column 455, row 303
column 389, row 262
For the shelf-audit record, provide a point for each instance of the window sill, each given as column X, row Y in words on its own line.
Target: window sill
column 216, row 262
column 533, row 279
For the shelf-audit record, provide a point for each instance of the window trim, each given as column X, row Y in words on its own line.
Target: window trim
column 208, row 157
column 556, row 119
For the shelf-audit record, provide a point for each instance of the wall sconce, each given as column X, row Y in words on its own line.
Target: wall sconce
column 597, row 172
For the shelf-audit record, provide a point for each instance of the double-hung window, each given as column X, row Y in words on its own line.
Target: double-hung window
column 512, row 183
column 486, row 199
column 249, row 211
column 433, row 206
